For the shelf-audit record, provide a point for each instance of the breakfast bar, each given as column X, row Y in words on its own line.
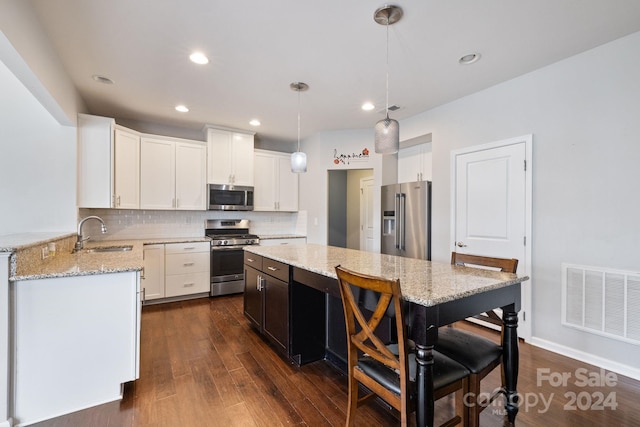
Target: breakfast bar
column 439, row 293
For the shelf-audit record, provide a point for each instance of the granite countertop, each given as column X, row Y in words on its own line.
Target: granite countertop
column 423, row 282
column 66, row 263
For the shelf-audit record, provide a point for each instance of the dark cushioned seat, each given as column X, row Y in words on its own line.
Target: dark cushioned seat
column 445, row 371
column 472, row 351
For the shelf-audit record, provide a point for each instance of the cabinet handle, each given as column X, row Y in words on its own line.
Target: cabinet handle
column 190, row 248
column 250, row 260
column 144, row 294
column 177, row 203
column 118, row 201
column 188, row 285
column 142, row 272
column 272, row 268
column 173, row 203
column 258, row 283
column 188, row 264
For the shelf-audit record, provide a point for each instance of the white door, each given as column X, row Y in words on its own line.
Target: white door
column 492, row 207
column 366, row 215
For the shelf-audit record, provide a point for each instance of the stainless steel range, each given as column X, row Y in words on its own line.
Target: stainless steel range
column 228, row 237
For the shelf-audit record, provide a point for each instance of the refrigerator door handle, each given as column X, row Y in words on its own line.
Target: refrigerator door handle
column 398, row 221
column 403, row 237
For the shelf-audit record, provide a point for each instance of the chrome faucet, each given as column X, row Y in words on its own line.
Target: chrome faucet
column 80, row 240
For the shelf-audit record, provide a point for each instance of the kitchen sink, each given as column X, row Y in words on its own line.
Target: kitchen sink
column 110, row 249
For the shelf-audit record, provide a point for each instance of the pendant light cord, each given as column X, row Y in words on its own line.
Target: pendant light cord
column 298, row 118
column 387, row 98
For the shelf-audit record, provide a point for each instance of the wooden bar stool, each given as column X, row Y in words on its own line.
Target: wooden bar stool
column 389, row 371
column 478, row 354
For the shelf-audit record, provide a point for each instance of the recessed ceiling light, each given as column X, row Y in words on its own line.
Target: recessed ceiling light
column 368, row 106
column 469, row 58
column 102, row 79
column 182, row 108
column 199, row 58
column 255, row 122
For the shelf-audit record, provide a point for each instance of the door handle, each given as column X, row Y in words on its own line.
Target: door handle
column 461, row 244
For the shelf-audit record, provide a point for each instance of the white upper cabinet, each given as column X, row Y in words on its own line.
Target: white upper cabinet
column 230, row 157
column 127, row 169
column 95, row 161
column 191, row 176
column 414, row 163
column 108, row 164
column 172, row 174
column 276, row 187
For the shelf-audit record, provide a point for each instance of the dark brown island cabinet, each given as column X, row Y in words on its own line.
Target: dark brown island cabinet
column 298, row 311
column 266, row 298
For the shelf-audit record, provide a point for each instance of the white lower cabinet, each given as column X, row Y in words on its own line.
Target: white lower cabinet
column 176, row 269
column 153, row 273
column 76, row 341
column 283, row 241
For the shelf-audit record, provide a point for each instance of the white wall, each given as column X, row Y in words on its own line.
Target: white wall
column 37, row 164
column 320, row 151
column 584, row 115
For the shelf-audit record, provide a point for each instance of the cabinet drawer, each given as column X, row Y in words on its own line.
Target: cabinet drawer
column 253, row 260
column 182, row 248
column 185, row 284
column 188, row 263
column 276, row 269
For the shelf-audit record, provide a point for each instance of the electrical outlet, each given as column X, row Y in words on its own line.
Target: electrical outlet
column 45, row 252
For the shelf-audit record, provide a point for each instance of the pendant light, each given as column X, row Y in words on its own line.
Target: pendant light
column 299, row 159
column 387, row 131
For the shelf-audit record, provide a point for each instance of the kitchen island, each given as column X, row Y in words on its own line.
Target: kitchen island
column 440, row 294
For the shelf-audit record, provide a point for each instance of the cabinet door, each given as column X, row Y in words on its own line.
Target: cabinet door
column 153, row 279
column 276, row 312
column 264, row 194
column 126, row 170
column 252, row 296
column 219, row 156
column 95, row 161
column 157, row 174
column 414, row 163
column 191, row 192
column 242, row 159
column 287, row 185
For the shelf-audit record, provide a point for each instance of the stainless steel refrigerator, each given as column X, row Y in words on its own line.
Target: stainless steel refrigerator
column 406, row 219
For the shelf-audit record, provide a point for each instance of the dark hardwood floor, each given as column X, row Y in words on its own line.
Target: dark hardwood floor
column 203, row 365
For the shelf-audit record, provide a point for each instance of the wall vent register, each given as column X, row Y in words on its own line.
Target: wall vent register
column 602, row 301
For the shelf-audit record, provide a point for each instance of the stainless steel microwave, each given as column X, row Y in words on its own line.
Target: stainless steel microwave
column 230, row 198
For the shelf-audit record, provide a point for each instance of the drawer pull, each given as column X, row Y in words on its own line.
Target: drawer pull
column 190, row 248
column 272, row 268
column 250, row 260
column 188, row 264
column 188, row 285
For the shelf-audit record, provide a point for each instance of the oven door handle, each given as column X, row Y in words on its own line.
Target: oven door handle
column 226, row 248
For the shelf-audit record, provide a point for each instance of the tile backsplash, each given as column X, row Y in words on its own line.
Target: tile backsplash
column 123, row 224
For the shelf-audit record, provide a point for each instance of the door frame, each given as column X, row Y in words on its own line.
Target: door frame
column 363, row 210
column 526, row 318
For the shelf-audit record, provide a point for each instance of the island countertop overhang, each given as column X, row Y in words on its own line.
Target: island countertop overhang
column 423, row 282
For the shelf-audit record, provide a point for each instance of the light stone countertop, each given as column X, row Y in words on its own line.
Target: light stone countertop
column 423, row 282
column 66, row 263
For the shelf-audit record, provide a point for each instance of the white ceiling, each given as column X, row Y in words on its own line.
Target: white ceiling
column 257, row 48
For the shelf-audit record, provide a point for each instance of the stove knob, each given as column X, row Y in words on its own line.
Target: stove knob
column 226, row 242
column 219, row 242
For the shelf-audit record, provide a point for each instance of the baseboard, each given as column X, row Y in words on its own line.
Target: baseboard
column 619, row 368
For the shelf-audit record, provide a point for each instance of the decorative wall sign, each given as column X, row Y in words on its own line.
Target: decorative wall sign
column 346, row 159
